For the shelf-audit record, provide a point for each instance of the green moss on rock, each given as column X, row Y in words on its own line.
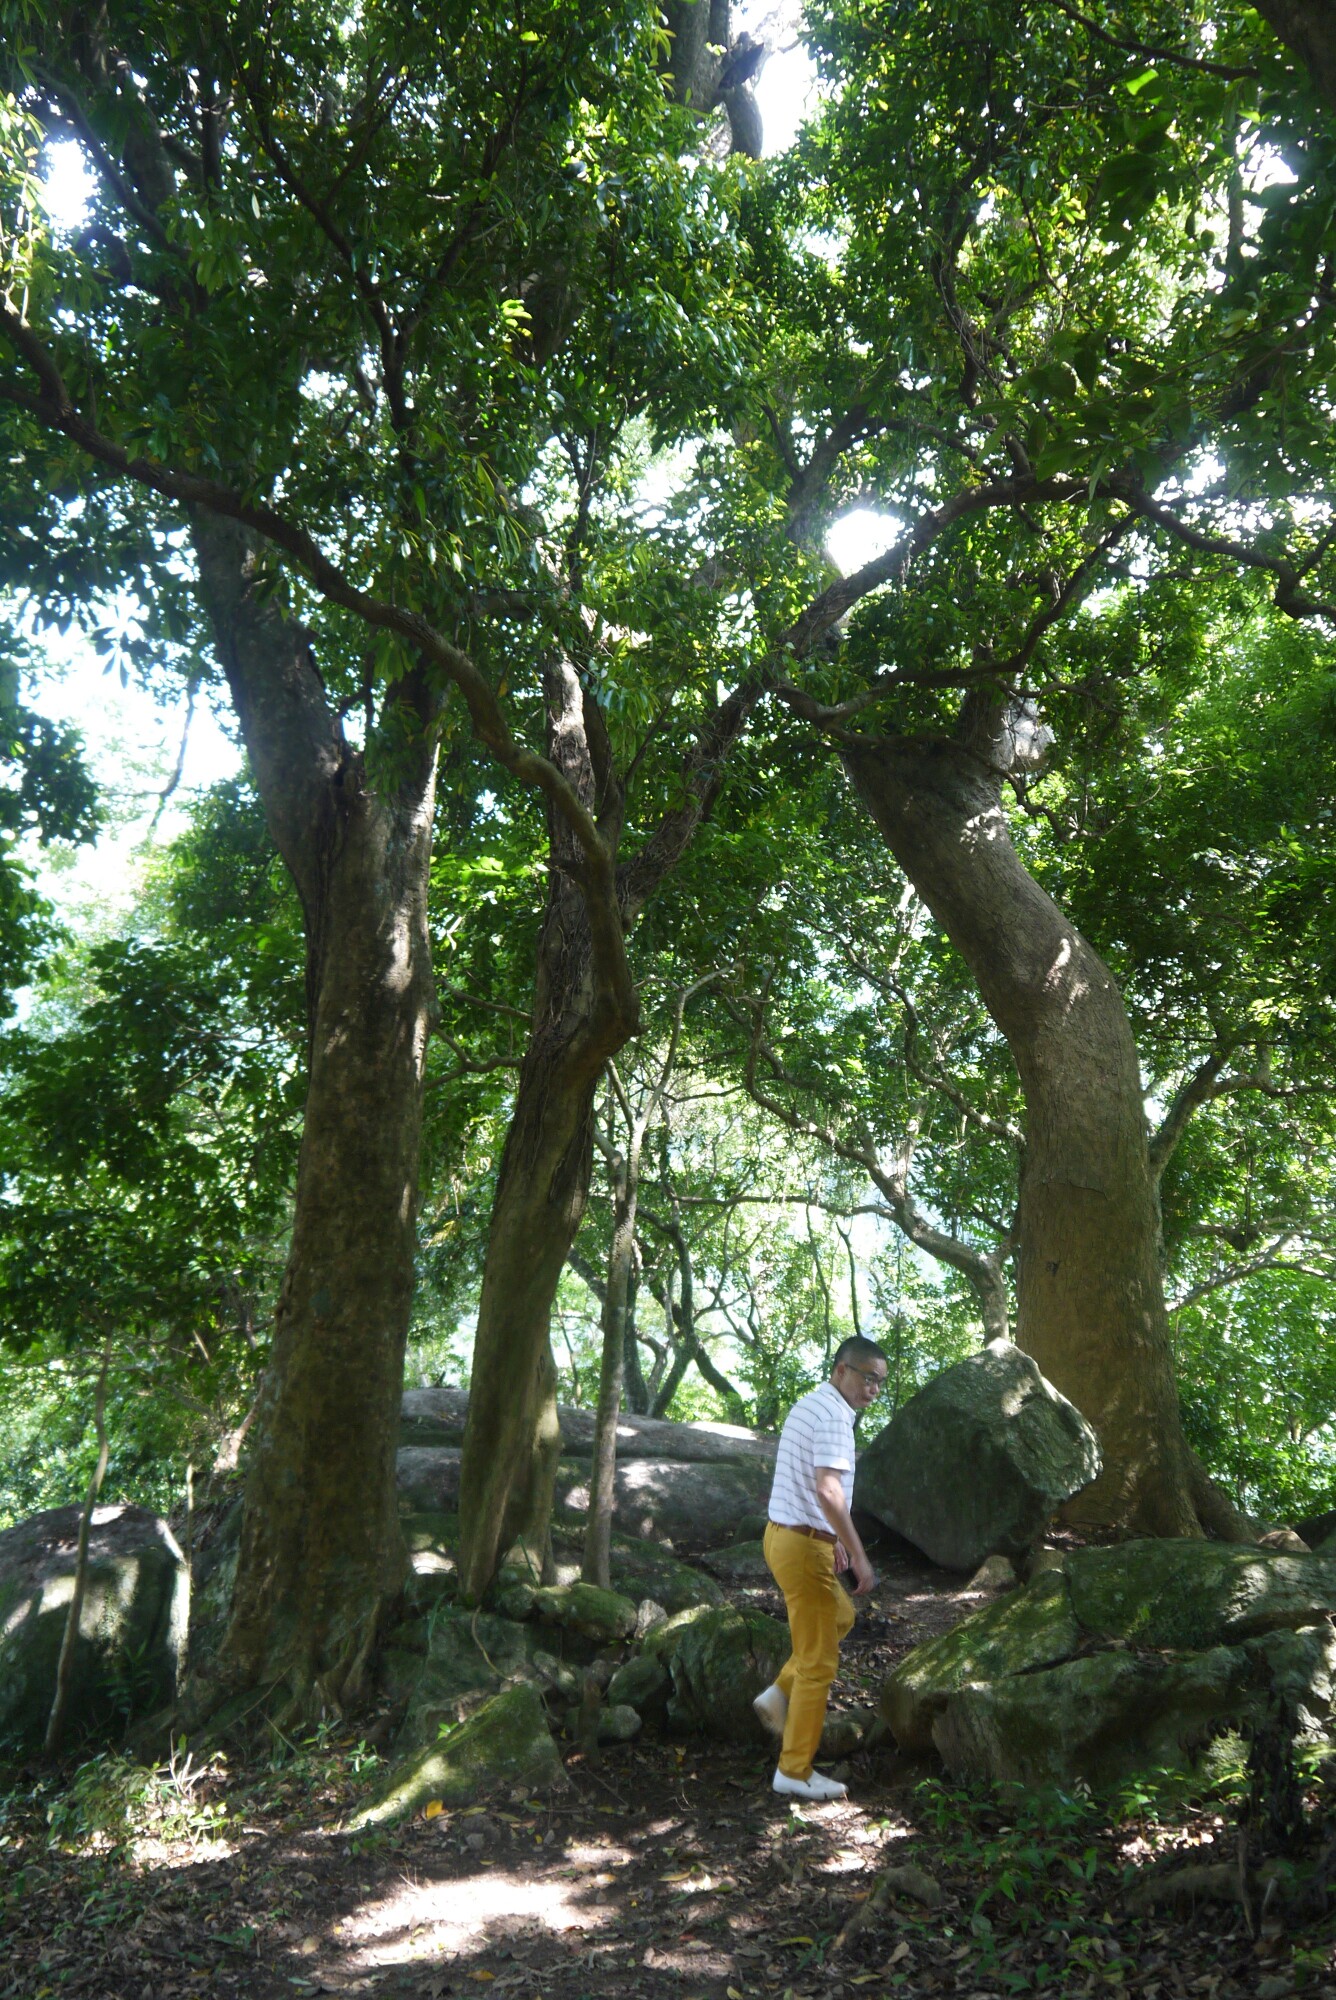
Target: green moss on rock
column 1193, row 1594
column 506, row 1743
column 601, row 1615
column 644, row 1684
column 1097, row 1719
column 471, row 1655
column 720, row 1662
column 1033, row 1628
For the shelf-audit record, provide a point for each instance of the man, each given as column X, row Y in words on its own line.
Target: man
column 809, row 1537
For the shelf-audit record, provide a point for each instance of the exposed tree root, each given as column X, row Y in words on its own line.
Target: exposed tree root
column 1181, row 1886
column 1219, row 1517
column 904, row 1880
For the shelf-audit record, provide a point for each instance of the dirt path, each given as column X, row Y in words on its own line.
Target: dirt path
column 666, row 1872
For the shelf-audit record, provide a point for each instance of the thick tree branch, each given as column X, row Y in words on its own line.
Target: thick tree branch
column 1271, row 1259
column 1287, row 596
column 54, row 409
column 1197, row 1090
column 1231, row 73
column 389, row 340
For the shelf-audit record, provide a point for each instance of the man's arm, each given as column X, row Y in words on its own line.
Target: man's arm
column 830, row 1492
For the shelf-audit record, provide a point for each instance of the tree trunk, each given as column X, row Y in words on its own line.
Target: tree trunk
column 580, row 1019
column 321, row 1551
column 596, row 1565
column 69, row 1641
column 1090, row 1304
column 634, row 1386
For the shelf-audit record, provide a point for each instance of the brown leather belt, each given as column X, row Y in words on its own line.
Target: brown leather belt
column 817, row 1534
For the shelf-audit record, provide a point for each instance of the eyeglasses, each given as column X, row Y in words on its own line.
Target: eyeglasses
column 878, row 1381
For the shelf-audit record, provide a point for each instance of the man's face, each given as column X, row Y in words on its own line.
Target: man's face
column 860, row 1382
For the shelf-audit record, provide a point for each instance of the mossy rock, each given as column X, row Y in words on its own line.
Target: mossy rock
column 601, row 1615
column 1195, row 1594
column 1033, row 1628
column 471, row 1656
column 1131, row 1658
column 1299, row 1668
column 618, row 1723
column 131, row 1642
column 644, row 1684
column 511, row 1600
column 506, row 1743
column 662, row 1641
column 1117, row 1713
column 742, row 1563
column 1097, row 1719
column 720, row 1661
column 641, row 1569
column 843, row 1731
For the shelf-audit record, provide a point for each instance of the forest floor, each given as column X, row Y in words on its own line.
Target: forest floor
column 667, row 1871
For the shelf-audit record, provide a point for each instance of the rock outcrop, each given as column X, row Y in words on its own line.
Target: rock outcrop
column 132, row 1625
column 676, row 1483
column 1128, row 1658
column 976, row 1463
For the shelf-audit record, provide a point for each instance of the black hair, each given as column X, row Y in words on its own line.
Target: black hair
column 857, row 1348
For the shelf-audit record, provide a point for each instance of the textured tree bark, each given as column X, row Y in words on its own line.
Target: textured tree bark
column 581, row 1017
column 1090, row 1303
column 597, row 1557
column 321, row 1551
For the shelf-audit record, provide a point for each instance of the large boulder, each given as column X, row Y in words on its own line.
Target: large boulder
column 647, row 1569
column 505, row 1744
column 1106, row 1715
column 132, row 1624
column 436, row 1416
column 603, row 1616
column 1029, row 1629
column 1127, row 1658
column 719, row 1661
column 978, row 1460
column 697, row 1502
column 1195, row 1594
column 683, row 1483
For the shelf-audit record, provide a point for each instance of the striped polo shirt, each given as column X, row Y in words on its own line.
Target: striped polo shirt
column 818, row 1431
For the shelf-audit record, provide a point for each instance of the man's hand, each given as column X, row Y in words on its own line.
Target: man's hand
column 830, row 1492
column 865, row 1577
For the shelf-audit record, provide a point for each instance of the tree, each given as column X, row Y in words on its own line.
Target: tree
column 491, row 277
column 1051, row 348
column 429, row 231
column 253, row 173
column 624, row 1178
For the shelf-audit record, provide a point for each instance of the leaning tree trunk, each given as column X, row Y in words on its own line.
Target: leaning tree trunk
column 321, row 1551
column 581, row 1017
column 1090, row 1302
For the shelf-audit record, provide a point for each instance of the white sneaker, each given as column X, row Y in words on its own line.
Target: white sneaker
column 772, row 1707
column 815, row 1788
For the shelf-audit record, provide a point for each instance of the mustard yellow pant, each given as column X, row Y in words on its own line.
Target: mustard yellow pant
column 820, row 1613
